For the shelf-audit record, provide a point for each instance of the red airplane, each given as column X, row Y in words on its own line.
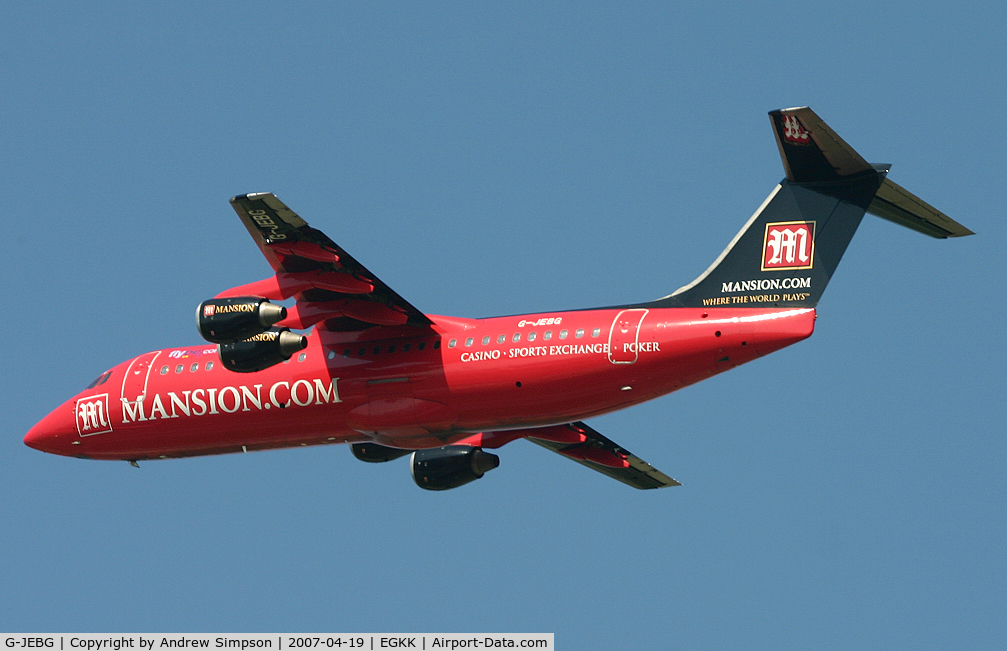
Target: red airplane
column 377, row 373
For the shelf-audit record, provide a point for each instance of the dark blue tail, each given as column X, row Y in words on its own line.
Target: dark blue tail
column 789, row 249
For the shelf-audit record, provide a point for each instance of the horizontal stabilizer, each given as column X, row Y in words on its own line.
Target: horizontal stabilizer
column 896, row 204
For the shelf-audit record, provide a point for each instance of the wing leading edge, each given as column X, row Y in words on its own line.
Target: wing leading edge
column 332, row 289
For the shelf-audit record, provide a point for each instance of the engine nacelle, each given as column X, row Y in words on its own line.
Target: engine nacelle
column 227, row 320
column 439, row 469
column 374, row 453
column 261, row 351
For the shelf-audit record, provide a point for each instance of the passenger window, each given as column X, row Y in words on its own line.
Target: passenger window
column 517, row 336
column 178, row 369
column 486, row 340
column 422, row 346
column 562, row 334
column 406, row 347
column 377, row 350
column 302, row 357
column 391, row 349
column 164, row 370
column 531, row 336
column 452, row 343
column 194, row 368
column 468, row 342
column 209, row 365
column 548, row 335
column 596, row 332
column 437, row 345
column 361, row 352
column 501, row 339
column 580, row 333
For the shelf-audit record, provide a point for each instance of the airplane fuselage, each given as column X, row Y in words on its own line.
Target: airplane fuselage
column 413, row 388
column 373, row 370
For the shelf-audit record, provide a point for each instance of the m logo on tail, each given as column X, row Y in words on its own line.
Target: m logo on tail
column 789, row 245
column 794, row 132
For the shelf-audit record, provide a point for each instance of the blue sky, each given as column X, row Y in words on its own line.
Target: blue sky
column 847, row 492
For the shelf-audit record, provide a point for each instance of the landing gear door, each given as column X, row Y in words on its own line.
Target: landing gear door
column 624, row 336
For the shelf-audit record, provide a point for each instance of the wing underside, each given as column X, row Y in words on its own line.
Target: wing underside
column 586, row 446
column 332, row 289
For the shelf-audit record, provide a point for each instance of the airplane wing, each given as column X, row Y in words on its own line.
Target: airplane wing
column 332, row 289
column 586, row 446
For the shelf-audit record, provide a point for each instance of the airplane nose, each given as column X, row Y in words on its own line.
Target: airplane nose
column 55, row 433
column 35, row 438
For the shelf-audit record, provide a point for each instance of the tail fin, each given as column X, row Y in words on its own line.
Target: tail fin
column 789, row 249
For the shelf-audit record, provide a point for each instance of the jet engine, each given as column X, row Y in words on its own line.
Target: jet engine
column 227, row 320
column 374, row 453
column 451, row 466
column 261, row 351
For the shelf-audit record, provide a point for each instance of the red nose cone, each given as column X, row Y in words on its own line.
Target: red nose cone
column 35, row 438
column 55, row 433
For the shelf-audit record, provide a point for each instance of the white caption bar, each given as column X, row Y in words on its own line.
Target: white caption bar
column 274, row 641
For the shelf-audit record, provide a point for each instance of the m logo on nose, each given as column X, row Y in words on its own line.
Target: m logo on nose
column 92, row 415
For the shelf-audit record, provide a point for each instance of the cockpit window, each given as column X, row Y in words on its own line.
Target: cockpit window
column 101, row 379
